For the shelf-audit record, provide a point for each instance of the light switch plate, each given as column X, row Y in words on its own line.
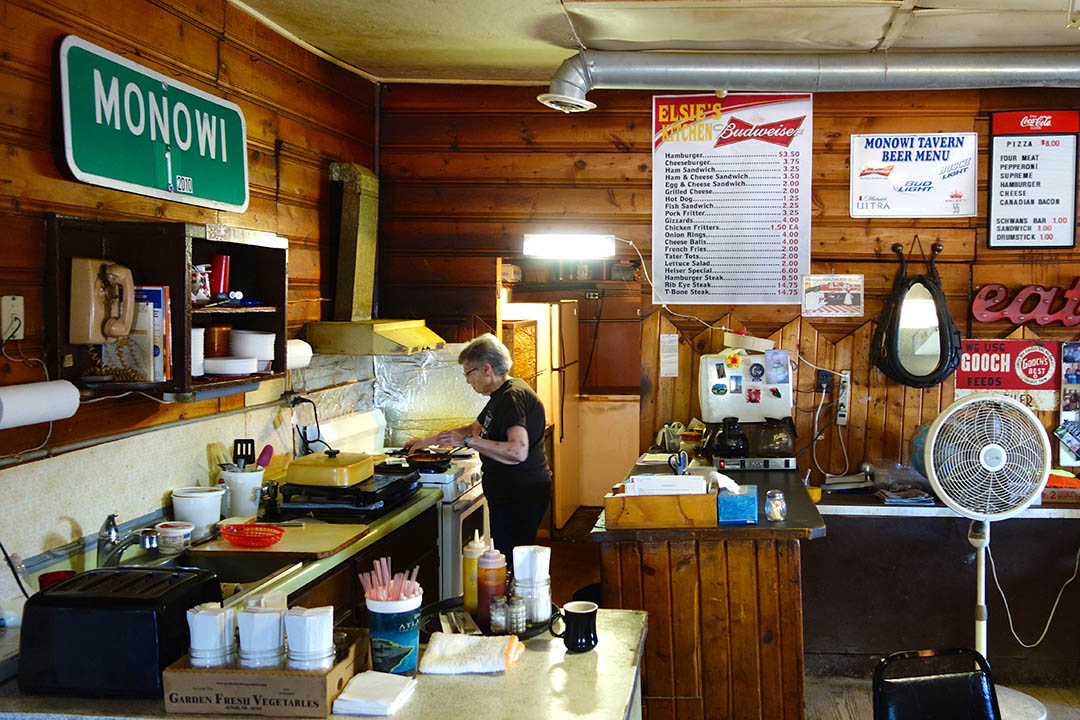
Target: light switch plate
column 11, row 308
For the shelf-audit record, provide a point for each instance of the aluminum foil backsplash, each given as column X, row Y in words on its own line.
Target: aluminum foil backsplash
column 424, row 393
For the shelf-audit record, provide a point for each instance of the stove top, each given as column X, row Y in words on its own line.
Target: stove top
column 462, row 475
column 367, row 500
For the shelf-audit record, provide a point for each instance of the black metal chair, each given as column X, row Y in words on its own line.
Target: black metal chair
column 967, row 694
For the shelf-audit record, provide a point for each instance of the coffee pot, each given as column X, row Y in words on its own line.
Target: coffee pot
column 730, row 440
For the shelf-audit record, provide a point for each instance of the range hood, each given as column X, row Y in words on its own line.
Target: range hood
column 372, row 337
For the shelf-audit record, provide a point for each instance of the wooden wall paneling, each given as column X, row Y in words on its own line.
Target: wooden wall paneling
column 289, row 145
column 513, row 202
column 659, row 678
column 877, row 415
column 912, row 414
column 744, row 608
column 611, row 572
column 717, row 649
column 895, row 394
column 685, row 645
column 860, row 417
column 669, row 389
column 579, row 168
column 769, row 630
column 842, row 360
column 807, row 397
column 496, row 234
column 789, row 567
column 650, row 376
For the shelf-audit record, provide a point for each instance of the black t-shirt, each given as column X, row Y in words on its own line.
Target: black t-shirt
column 515, row 403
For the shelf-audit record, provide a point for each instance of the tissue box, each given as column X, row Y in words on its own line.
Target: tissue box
column 739, row 508
column 243, row 691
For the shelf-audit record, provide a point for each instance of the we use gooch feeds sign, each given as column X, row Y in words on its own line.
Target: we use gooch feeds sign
column 129, row 128
column 1025, row 370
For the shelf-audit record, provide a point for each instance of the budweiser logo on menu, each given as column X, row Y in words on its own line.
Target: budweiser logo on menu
column 780, row 132
column 1036, row 122
column 882, row 170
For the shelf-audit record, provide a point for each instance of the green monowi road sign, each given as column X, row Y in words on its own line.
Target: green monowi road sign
column 130, row 128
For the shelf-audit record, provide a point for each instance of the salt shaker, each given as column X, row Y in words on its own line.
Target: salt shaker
column 498, row 615
column 775, row 505
column 515, row 616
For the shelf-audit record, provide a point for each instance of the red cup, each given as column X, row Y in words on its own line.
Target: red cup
column 51, row 578
column 219, row 274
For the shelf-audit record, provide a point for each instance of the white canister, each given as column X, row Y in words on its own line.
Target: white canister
column 174, row 536
column 245, row 490
column 198, row 337
column 253, row 343
column 200, row 506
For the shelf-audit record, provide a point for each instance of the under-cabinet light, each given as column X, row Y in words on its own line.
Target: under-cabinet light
column 553, row 245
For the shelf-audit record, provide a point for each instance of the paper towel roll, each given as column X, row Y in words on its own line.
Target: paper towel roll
column 297, row 354
column 37, row 402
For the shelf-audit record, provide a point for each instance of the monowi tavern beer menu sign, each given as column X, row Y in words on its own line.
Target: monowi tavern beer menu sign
column 1033, row 179
column 129, row 128
column 731, row 197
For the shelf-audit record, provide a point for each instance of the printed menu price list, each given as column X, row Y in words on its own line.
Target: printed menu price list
column 732, row 225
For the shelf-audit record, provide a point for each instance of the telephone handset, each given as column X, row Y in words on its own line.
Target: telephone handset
column 102, row 305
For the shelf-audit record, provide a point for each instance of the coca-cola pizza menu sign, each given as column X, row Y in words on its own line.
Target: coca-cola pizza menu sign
column 731, row 198
column 1033, row 179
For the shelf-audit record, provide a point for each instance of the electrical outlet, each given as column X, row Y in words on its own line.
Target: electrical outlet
column 12, row 318
column 824, row 381
column 843, row 398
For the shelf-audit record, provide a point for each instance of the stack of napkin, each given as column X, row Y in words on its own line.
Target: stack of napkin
column 455, row 654
column 374, row 693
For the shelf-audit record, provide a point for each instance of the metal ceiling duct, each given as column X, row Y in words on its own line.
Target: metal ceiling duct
column 609, row 70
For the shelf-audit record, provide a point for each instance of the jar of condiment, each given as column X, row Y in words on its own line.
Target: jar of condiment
column 515, row 616
column 499, row 615
column 775, row 505
column 217, row 340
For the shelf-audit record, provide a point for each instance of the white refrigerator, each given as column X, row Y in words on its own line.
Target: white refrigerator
column 557, row 384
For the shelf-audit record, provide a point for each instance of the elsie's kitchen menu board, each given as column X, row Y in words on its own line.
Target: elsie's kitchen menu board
column 731, row 197
column 1033, row 179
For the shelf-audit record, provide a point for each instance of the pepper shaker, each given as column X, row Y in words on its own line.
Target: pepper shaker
column 775, row 505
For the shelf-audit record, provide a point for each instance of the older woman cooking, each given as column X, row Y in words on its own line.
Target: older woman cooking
column 509, row 435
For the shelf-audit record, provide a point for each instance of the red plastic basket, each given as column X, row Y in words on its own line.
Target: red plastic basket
column 252, row 534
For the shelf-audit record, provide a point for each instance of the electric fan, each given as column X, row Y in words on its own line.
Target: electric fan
column 988, row 457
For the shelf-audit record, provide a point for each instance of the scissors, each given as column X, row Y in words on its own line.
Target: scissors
column 678, row 462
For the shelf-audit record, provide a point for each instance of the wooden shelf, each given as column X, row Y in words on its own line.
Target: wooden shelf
column 224, row 310
column 163, row 253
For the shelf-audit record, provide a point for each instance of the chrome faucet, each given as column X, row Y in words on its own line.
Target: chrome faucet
column 111, row 545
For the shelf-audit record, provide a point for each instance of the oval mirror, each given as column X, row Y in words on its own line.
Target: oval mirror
column 919, row 341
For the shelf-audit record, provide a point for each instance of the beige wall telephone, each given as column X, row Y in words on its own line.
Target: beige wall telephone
column 102, row 301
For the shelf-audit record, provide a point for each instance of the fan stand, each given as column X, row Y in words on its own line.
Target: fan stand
column 1014, row 705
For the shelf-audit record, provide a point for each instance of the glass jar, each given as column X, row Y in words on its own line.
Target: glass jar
column 515, row 616
column 537, row 596
column 775, row 505
column 498, row 615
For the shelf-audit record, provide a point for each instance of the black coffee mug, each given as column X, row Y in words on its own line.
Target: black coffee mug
column 579, row 617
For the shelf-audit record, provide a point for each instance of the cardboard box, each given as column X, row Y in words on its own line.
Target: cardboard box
column 638, row 512
column 665, row 484
column 737, row 508
column 242, row 691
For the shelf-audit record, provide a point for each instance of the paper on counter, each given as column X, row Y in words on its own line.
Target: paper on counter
column 374, row 693
column 665, row 485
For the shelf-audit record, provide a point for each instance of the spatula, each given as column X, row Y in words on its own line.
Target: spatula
column 265, row 455
column 243, row 449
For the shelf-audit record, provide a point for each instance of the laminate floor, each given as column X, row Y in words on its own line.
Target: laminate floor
column 845, row 699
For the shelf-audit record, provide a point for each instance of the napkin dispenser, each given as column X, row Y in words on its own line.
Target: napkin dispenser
column 109, row 632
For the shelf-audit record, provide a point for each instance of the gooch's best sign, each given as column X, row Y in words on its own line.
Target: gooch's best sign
column 129, row 128
column 1025, row 370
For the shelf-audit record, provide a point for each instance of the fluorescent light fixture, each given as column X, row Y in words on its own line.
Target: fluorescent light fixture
column 554, row 245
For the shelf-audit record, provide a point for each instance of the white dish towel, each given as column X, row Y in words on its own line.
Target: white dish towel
column 454, row 654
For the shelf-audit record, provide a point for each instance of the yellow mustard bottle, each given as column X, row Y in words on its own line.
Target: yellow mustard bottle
column 470, row 556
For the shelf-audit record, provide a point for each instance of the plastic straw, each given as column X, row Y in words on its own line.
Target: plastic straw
column 380, row 584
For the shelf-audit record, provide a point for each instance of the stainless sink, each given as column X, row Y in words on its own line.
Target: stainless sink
column 239, row 576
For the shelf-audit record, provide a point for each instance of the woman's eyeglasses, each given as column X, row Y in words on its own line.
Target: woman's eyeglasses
column 469, row 372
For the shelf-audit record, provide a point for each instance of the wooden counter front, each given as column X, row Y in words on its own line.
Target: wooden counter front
column 725, row 608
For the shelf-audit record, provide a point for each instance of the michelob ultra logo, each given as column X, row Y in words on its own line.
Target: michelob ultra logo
column 129, row 128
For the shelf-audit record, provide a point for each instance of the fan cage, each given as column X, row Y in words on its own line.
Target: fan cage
column 955, row 449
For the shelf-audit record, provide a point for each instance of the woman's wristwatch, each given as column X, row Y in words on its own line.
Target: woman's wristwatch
column 466, row 440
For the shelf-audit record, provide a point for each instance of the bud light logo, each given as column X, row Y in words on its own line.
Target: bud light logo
column 915, row 186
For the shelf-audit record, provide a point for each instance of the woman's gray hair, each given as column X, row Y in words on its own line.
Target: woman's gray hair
column 486, row 349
